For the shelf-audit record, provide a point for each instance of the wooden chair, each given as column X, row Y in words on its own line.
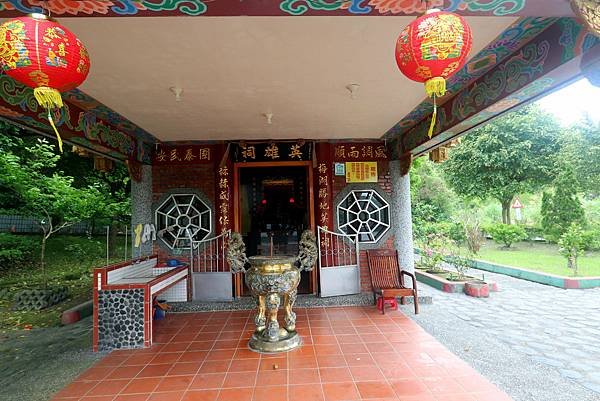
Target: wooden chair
column 387, row 278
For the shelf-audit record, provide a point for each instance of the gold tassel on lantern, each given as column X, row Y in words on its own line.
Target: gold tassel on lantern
column 49, row 99
column 435, row 87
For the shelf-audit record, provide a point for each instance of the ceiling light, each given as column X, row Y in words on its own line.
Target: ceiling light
column 177, row 91
column 352, row 88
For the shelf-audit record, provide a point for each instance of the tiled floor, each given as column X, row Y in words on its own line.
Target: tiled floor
column 349, row 353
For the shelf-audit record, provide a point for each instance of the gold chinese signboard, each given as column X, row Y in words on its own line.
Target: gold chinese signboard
column 223, row 201
column 272, row 151
column 183, row 154
column 360, row 152
column 361, row 171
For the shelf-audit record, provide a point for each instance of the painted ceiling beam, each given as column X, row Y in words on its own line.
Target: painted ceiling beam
column 221, row 8
column 77, row 125
column 545, row 63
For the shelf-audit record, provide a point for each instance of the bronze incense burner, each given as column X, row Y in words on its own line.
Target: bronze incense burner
column 273, row 281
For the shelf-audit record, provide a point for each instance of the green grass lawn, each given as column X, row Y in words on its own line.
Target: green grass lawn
column 70, row 260
column 539, row 257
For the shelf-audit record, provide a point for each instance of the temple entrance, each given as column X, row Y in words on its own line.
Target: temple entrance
column 273, row 208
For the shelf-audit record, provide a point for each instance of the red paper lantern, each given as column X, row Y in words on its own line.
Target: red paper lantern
column 432, row 48
column 40, row 53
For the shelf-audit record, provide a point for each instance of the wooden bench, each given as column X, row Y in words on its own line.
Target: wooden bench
column 123, row 300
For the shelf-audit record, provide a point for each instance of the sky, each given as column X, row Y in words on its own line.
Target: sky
column 570, row 103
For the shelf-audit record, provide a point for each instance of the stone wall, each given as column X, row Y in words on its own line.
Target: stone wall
column 120, row 319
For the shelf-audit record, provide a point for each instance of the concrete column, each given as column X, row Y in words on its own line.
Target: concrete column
column 141, row 210
column 402, row 217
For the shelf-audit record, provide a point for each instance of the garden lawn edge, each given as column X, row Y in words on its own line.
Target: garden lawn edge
column 538, row 277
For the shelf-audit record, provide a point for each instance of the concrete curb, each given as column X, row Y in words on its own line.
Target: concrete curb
column 538, row 277
column 77, row 313
column 530, row 275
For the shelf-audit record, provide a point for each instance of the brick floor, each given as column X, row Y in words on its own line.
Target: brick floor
column 349, row 353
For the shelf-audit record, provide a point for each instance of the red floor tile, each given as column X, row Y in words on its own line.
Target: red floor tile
column 236, row 394
column 214, row 366
column 306, row 392
column 132, row 397
column 333, row 375
column 76, row 389
column 270, row 393
column 409, row 387
column 302, row 362
column 240, row 379
column 184, row 368
column 273, row 377
column 348, row 354
column 142, row 385
column 375, row 390
column 208, row 381
column 200, row 395
column 175, row 383
column 155, row 370
column 108, row 387
column 244, row 365
column 340, row 391
column 366, row 373
column 303, row 376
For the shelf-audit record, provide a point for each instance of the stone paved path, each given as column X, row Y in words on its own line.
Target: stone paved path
column 555, row 330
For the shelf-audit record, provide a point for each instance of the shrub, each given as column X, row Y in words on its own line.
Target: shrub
column 506, row 234
column 434, row 248
column 572, row 243
column 15, row 249
column 592, row 239
column 461, row 263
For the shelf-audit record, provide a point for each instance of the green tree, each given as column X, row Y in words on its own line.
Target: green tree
column 49, row 196
column 432, row 201
column 572, row 243
column 513, row 154
column 581, row 149
column 115, row 208
column 563, row 207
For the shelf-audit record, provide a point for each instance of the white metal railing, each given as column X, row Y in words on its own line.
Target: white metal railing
column 337, row 249
column 208, row 255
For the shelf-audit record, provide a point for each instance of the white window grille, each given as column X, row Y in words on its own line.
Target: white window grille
column 364, row 213
column 182, row 218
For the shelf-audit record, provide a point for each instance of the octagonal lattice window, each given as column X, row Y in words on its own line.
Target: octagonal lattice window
column 182, row 218
column 364, row 213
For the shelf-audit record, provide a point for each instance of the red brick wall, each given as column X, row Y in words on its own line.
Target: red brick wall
column 200, row 177
column 385, row 182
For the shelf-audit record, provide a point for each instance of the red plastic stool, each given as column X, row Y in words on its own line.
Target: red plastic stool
column 391, row 301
